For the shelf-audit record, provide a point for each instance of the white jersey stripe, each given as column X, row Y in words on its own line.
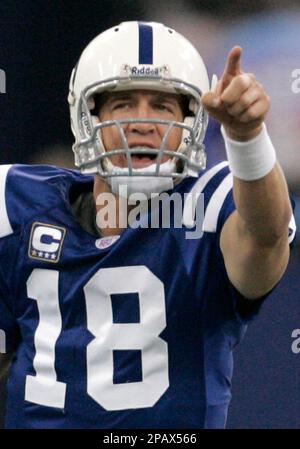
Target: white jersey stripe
column 215, row 204
column 191, row 199
column 5, row 227
column 293, row 227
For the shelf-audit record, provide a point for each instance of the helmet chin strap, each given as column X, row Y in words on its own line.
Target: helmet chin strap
column 148, row 185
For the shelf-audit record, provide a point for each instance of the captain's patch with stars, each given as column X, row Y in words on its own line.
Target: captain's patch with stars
column 46, row 242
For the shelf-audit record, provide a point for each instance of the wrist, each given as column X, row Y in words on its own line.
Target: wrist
column 252, row 159
column 243, row 137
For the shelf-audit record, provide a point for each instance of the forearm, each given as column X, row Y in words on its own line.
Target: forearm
column 254, row 239
column 264, row 206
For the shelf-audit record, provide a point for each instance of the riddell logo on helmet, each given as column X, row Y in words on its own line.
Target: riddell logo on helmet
column 85, row 123
column 146, row 70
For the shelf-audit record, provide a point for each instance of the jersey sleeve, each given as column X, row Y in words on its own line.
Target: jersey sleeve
column 9, row 330
column 241, row 308
column 26, row 189
column 216, row 185
column 228, row 206
column 244, row 308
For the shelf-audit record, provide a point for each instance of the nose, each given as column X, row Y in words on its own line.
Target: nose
column 142, row 111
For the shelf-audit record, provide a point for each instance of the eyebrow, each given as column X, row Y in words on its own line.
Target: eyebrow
column 160, row 96
column 119, row 96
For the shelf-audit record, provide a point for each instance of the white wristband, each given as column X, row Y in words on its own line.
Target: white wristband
column 250, row 160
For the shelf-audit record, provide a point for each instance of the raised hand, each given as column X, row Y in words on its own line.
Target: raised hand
column 239, row 101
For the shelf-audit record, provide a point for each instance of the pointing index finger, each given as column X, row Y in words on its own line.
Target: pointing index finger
column 233, row 63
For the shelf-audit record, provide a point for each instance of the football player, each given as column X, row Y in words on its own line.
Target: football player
column 128, row 325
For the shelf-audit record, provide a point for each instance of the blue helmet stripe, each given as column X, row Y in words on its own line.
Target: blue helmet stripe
column 145, row 44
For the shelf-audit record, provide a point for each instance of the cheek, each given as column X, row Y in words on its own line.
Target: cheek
column 111, row 138
column 174, row 138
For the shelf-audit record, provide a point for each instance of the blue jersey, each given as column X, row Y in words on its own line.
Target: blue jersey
column 129, row 332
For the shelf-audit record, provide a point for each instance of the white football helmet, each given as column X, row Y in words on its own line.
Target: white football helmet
column 139, row 55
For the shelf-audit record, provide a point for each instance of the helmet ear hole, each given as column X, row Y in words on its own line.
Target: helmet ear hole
column 95, row 120
column 98, row 100
column 91, row 103
column 193, row 105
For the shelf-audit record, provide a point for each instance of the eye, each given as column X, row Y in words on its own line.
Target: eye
column 164, row 107
column 120, row 105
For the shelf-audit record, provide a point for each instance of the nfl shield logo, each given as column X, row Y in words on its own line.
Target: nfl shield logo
column 105, row 242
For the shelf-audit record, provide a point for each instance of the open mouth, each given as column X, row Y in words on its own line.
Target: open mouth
column 142, row 157
column 144, row 151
